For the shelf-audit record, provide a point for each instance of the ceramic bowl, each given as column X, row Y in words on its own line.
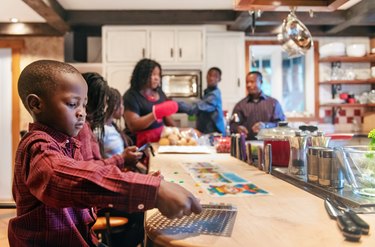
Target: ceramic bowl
column 356, row 50
column 332, row 49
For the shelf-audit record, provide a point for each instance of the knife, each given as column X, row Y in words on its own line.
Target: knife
column 359, row 222
column 350, row 230
column 353, row 215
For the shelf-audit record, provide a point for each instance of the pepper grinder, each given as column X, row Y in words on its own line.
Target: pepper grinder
column 297, row 160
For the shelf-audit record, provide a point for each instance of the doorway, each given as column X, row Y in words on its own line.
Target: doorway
column 10, row 51
column 6, row 123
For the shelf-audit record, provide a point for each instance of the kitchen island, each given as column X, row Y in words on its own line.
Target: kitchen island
column 287, row 216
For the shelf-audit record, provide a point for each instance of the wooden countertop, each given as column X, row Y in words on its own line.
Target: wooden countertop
column 288, row 217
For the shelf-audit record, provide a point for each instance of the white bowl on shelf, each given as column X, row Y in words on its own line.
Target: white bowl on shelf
column 356, row 50
column 332, row 49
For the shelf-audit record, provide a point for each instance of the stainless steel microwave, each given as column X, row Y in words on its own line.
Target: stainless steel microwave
column 182, row 83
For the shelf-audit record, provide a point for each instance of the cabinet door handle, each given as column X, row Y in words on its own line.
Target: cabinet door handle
column 238, row 82
column 171, row 52
column 180, row 52
column 143, row 52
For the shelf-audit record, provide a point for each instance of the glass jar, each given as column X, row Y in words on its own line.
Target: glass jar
column 278, row 138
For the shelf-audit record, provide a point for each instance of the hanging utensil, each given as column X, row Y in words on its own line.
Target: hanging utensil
column 295, row 38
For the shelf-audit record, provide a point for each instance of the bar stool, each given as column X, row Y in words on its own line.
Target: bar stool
column 106, row 225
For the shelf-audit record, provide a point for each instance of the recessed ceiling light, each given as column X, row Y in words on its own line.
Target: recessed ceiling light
column 14, row 20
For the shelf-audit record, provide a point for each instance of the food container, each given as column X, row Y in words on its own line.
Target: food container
column 278, row 138
column 358, row 164
column 222, row 144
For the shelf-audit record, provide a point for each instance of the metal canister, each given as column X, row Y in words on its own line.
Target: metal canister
column 325, row 166
column 313, row 164
column 268, row 158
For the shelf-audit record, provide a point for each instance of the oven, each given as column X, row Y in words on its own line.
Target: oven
column 182, row 83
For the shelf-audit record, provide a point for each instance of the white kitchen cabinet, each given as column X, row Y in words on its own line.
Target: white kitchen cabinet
column 118, row 76
column 177, row 45
column 190, row 46
column 168, row 45
column 122, row 45
column 162, row 43
column 226, row 50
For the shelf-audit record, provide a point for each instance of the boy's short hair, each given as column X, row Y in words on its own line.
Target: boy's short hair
column 216, row 69
column 40, row 78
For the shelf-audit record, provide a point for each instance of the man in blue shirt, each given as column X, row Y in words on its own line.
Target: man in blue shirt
column 209, row 110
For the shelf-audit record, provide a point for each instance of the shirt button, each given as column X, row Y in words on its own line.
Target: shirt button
column 110, row 205
column 141, row 206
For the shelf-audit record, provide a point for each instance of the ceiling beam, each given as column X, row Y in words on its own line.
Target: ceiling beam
column 27, row 29
column 242, row 22
column 147, row 17
column 52, row 12
column 284, row 5
column 319, row 18
column 357, row 14
column 316, row 31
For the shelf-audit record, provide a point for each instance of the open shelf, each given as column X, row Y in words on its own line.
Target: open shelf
column 364, row 81
column 365, row 59
column 347, row 105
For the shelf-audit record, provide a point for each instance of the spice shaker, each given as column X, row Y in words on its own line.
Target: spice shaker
column 325, row 166
column 319, row 140
column 313, row 164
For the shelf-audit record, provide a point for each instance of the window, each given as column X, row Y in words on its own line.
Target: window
column 289, row 80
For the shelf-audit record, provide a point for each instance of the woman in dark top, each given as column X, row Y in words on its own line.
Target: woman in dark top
column 147, row 108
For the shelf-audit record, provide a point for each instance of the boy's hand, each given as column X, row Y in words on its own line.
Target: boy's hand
column 174, row 201
column 131, row 156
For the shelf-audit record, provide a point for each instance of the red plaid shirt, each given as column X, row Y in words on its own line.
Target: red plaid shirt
column 54, row 190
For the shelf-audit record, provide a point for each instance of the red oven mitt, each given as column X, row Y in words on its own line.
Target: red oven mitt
column 164, row 109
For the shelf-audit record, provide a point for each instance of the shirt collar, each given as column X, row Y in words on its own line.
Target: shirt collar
column 60, row 137
column 209, row 89
column 262, row 96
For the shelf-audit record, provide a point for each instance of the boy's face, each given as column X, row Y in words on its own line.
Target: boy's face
column 65, row 108
column 213, row 78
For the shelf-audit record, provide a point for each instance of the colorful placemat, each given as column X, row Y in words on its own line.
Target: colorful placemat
column 218, row 182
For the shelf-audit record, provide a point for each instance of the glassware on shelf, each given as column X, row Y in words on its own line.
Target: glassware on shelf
column 363, row 98
column 336, row 71
column 371, row 97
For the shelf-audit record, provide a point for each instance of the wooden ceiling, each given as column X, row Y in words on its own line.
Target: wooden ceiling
column 359, row 20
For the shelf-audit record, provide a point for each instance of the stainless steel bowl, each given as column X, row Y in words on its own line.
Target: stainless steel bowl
column 295, row 38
